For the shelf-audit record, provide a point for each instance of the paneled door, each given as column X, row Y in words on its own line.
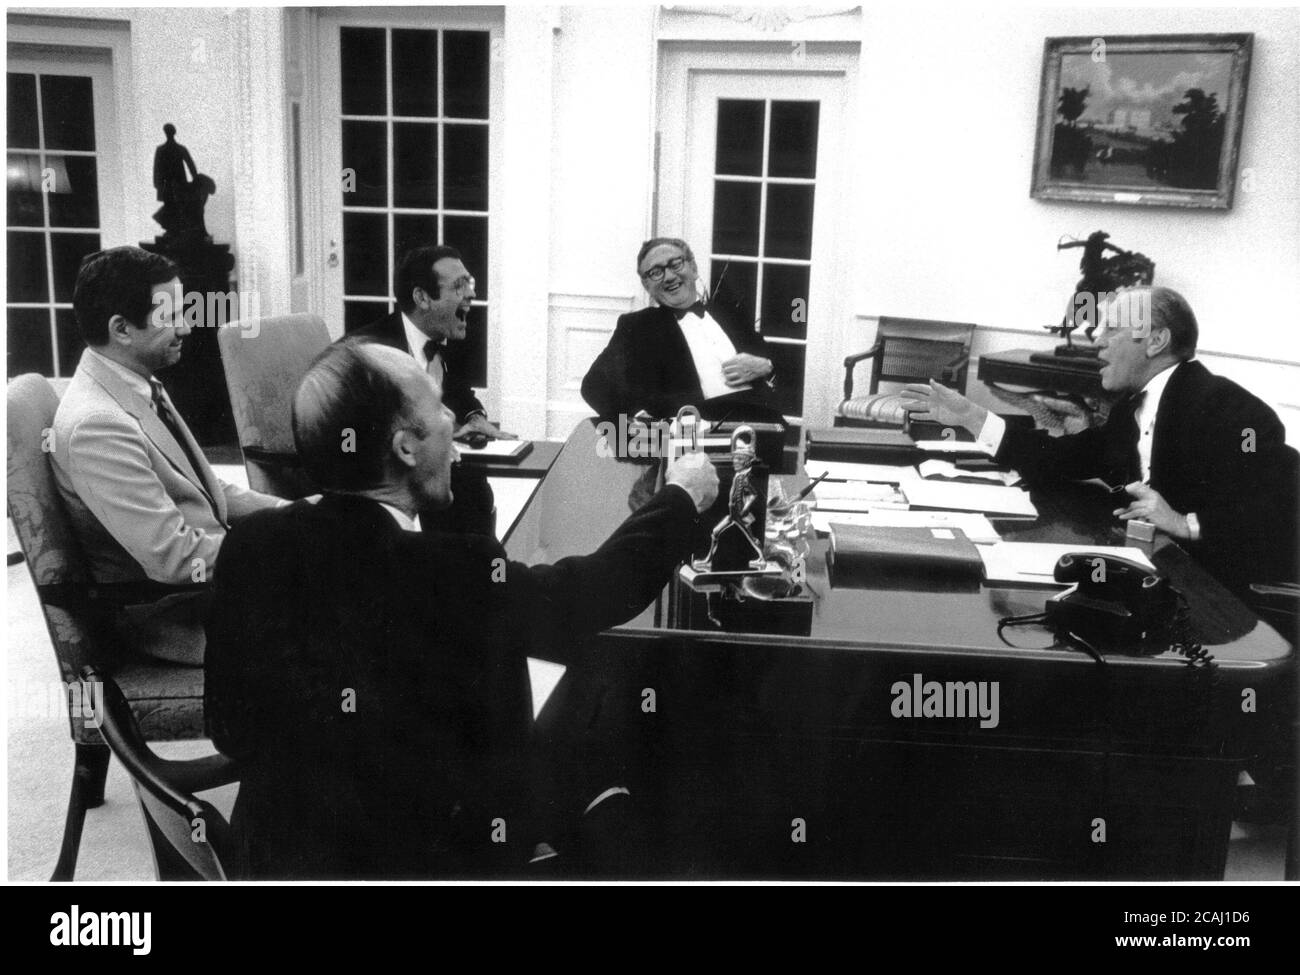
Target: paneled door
column 405, row 160
column 749, row 174
column 59, row 155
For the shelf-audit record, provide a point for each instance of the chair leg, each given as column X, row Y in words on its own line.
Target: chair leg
column 89, row 772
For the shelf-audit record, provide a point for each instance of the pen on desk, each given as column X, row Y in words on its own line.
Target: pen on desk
column 808, row 490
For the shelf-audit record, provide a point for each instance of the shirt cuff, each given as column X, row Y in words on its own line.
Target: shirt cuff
column 992, row 432
column 1193, row 526
column 473, row 413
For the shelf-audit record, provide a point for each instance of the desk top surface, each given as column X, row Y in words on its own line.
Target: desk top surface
column 589, row 492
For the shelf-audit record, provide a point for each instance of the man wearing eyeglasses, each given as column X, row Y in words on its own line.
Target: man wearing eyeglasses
column 434, row 293
column 683, row 349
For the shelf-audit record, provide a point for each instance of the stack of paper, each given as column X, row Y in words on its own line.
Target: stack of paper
column 856, row 496
column 953, row 447
column 992, row 499
column 843, row 471
column 947, row 470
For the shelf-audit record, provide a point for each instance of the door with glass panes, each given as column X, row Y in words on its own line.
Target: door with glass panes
column 62, row 180
column 750, row 177
column 406, row 157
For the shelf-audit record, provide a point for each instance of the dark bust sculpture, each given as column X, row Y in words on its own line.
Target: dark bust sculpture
column 183, row 196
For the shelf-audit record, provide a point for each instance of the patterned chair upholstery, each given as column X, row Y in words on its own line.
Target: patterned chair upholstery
column 263, row 367
column 166, row 699
column 907, row 350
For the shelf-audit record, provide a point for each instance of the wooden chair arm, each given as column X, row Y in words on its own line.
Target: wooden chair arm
column 853, row 360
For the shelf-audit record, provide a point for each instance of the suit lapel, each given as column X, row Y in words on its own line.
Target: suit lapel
column 142, row 409
column 671, row 350
column 1168, row 449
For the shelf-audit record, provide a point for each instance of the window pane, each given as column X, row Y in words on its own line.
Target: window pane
column 415, row 72
column 27, row 274
column 365, row 254
column 740, row 138
column 465, row 73
column 785, row 299
column 414, row 230
column 75, row 200
column 68, row 250
column 469, row 235
column 415, row 164
column 465, row 167
column 68, row 107
column 735, row 218
column 470, row 355
column 359, row 314
column 734, row 288
column 794, row 139
column 29, row 342
column 789, row 221
column 364, row 71
column 23, row 178
column 22, row 111
column 70, row 341
column 365, row 152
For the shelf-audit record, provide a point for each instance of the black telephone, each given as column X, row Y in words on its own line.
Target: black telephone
column 1115, row 604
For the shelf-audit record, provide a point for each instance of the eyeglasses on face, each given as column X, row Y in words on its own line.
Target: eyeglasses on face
column 656, row 273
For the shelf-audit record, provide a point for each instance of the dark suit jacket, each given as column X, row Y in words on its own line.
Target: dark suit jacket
column 374, row 686
column 457, row 393
column 647, row 365
column 1245, row 499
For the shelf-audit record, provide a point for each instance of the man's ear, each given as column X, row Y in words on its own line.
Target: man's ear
column 420, row 298
column 119, row 331
column 402, row 448
column 1158, row 342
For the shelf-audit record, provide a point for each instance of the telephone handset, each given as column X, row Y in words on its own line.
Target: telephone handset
column 1116, row 604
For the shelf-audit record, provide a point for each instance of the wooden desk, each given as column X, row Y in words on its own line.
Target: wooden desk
column 1015, row 368
column 777, row 756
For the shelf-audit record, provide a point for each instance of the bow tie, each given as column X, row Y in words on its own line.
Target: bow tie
column 698, row 308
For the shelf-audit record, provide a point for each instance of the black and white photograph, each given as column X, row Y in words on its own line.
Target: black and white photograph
column 567, row 444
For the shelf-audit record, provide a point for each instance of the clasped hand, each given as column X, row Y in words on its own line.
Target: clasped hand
column 1150, row 507
column 745, row 368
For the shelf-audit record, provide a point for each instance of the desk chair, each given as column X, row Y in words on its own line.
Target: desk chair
column 262, row 371
column 189, row 838
column 167, row 699
column 907, row 350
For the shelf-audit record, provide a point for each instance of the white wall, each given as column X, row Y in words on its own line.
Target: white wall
column 949, row 231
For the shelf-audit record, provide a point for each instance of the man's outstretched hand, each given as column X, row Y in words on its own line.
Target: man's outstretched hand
column 942, row 405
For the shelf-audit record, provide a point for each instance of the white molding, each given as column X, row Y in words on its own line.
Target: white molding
column 747, row 23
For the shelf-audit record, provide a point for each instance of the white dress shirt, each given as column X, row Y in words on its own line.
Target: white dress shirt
column 416, row 341
column 710, row 348
column 404, row 521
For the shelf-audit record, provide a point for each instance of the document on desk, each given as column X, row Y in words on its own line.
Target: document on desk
column 857, row 496
column 953, row 447
column 935, row 469
column 845, row 471
column 1034, row 563
column 991, row 499
column 511, row 451
column 975, row 526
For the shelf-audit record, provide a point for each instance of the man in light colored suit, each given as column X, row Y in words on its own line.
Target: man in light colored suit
column 146, row 506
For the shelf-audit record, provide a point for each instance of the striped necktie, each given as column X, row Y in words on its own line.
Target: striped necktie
column 177, row 429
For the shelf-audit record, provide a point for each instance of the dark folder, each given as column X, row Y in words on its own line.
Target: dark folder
column 905, row 558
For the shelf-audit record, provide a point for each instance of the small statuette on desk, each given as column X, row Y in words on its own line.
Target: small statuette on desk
column 736, row 548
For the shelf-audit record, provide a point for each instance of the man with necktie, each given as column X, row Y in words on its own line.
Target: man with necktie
column 681, row 350
column 434, row 292
column 148, row 510
column 1204, row 461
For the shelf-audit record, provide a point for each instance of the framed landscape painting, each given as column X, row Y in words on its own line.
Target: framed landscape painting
column 1151, row 120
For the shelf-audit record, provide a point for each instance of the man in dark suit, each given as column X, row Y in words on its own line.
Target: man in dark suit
column 1205, row 461
column 371, row 677
column 681, row 350
column 434, row 293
